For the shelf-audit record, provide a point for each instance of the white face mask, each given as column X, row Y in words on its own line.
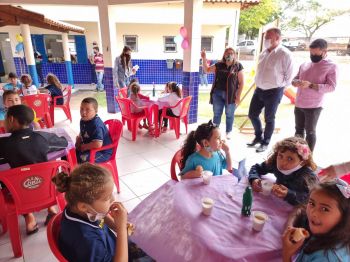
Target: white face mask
column 95, row 217
column 229, row 58
column 267, row 43
column 290, row 171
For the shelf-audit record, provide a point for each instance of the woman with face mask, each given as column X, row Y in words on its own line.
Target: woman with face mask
column 227, row 87
column 123, row 68
column 314, row 79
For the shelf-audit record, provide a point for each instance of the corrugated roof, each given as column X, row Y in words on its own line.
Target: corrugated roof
column 233, row 1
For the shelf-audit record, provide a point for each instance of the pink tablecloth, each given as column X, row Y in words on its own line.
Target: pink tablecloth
column 170, row 226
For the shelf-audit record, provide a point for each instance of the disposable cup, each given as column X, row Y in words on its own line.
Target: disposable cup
column 259, row 219
column 266, row 187
column 207, row 176
column 207, row 206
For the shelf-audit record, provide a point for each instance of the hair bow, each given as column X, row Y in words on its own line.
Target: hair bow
column 303, row 151
column 343, row 187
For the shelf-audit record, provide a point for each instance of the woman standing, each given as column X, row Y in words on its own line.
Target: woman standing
column 123, row 68
column 227, row 87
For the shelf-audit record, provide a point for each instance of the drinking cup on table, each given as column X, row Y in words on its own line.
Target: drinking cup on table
column 207, row 176
column 207, row 206
column 266, row 187
column 259, row 219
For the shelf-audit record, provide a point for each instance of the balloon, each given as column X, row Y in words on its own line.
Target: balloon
column 19, row 38
column 19, row 47
column 178, row 39
column 185, row 44
column 183, row 31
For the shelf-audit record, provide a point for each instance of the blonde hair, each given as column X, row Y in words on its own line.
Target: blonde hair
column 53, row 80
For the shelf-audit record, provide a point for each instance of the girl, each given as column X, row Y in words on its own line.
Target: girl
column 167, row 88
column 90, row 214
column 28, row 88
column 54, row 88
column 327, row 218
column 209, row 156
column 172, row 99
column 135, row 97
column 292, row 164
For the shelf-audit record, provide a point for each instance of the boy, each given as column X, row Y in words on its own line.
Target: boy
column 14, row 83
column 25, row 147
column 93, row 133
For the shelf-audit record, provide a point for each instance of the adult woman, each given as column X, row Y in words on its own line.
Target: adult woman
column 227, row 87
column 123, row 68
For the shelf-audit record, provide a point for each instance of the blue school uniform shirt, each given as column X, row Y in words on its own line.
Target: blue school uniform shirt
column 82, row 240
column 55, row 91
column 340, row 254
column 215, row 164
column 9, row 86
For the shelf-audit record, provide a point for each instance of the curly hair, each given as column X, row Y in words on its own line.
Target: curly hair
column 204, row 131
column 291, row 144
column 85, row 184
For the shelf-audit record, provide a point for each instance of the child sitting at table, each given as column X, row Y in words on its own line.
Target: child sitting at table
column 292, row 164
column 28, row 88
column 172, row 99
column 167, row 88
column 327, row 221
column 208, row 157
column 93, row 133
column 134, row 96
column 25, row 147
column 54, row 88
column 90, row 215
column 14, row 83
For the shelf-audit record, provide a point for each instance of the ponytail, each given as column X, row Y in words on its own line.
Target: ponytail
column 188, row 148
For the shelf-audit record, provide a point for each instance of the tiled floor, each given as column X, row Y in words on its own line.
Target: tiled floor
column 144, row 165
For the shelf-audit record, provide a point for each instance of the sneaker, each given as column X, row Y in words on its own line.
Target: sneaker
column 228, row 135
column 254, row 142
column 261, row 148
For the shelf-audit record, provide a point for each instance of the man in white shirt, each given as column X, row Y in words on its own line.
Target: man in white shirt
column 274, row 72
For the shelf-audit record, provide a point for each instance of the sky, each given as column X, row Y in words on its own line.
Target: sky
column 337, row 4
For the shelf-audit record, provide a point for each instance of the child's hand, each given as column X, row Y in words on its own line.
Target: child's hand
column 289, row 247
column 120, row 215
column 225, row 147
column 305, row 84
column 280, row 191
column 203, row 54
column 199, row 169
column 256, row 185
column 78, row 143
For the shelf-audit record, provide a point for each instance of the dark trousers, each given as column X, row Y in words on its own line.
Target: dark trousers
column 306, row 120
column 93, row 73
column 268, row 99
column 169, row 112
column 39, row 70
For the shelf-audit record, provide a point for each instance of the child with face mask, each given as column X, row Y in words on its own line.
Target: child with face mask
column 91, row 215
column 292, row 164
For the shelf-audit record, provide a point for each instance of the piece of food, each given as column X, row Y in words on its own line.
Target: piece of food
column 130, row 228
column 199, row 168
column 300, row 234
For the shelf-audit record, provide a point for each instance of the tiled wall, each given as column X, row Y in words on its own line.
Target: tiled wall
column 150, row 71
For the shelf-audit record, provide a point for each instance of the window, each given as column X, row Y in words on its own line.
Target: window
column 54, row 48
column 169, row 44
column 131, row 41
column 207, row 43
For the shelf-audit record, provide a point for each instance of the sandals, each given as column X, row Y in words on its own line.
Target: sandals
column 48, row 218
column 33, row 231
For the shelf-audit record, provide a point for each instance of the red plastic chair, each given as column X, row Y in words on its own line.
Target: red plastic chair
column 346, row 178
column 67, row 93
column 175, row 161
column 123, row 92
column 3, row 212
column 115, row 128
column 175, row 121
column 2, row 130
column 72, row 158
column 133, row 120
column 31, row 190
column 40, row 103
column 53, row 232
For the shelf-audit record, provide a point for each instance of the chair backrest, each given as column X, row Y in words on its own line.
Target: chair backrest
column 31, row 187
column 124, row 105
column 40, row 103
column 175, row 161
column 115, row 128
column 53, row 232
column 67, row 93
column 123, row 92
column 185, row 106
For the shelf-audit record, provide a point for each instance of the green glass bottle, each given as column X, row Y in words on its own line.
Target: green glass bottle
column 247, row 201
column 154, row 90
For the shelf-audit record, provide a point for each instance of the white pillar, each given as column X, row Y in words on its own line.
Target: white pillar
column 234, row 29
column 65, row 44
column 192, row 22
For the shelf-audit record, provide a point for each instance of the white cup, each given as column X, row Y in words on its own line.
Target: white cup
column 207, row 176
column 207, row 205
column 259, row 219
column 266, row 187
column 136, row 67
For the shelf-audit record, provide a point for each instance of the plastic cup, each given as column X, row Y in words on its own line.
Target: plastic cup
column 266, row 187
column 207, row 176
column 136, row 67
column 207, row 206
column 259, row 219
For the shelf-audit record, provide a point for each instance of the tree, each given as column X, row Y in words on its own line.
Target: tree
column 252, row 18
column 306, row 16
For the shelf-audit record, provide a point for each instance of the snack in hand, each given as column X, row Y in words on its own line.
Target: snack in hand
column 199, row 169
column 130, row 228
column 299, row 234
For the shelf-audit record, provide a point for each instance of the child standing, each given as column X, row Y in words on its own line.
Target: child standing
column 54, row 88
column 292, row 164
column 28, row 88
column 327, row 218
column 93, row 133
column 209, row 156
column 90, row 214
column 172, row 99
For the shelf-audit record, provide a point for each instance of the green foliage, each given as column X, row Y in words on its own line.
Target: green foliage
column 254, row 17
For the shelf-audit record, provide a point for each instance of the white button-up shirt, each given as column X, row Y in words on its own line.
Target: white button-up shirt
column 275, row 68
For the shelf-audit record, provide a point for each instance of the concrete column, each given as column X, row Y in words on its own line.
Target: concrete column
column 233, row 30
column 29, row 53
column 107, row 28
column 67, row 59
column 190, row 79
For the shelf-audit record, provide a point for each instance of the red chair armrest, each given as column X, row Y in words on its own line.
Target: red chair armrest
column 95, row 150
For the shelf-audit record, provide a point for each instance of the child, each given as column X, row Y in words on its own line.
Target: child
column 25, row 147
column 93, row 133
column 134, row 96
column 28, row 88
column 172, row 99
column 90, row 214
column 209, row 156
column 327, row 218
column 13, row 84
column 167, row 88
column 54, row 88
column 292, row 164
column 132, row 81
